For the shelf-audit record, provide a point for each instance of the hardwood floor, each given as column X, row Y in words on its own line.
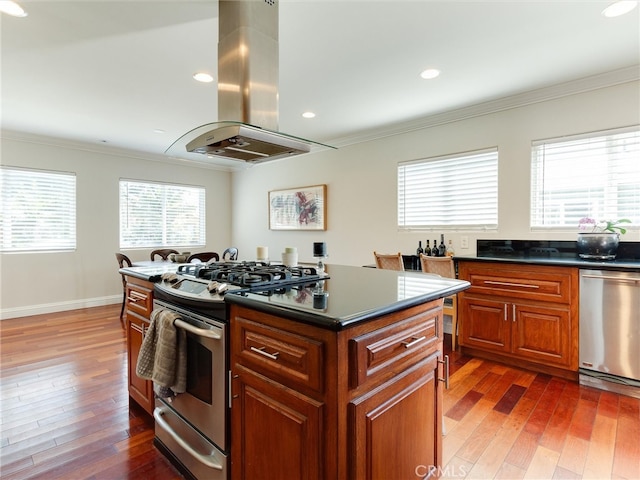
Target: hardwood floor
column 65, row 413
column 508, row 423
column 64, row 401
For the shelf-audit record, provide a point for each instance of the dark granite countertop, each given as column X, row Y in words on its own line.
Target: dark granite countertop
column 552, row 252
column 352, row 295
column 624, row 265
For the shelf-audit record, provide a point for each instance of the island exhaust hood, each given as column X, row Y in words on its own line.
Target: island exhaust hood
column 247, row 129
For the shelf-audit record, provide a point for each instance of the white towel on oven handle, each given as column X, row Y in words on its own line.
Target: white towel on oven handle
column 163, row 354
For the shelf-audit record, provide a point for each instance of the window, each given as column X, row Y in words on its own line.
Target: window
column 161, row 215
column 38, row 211
column 595, row 175
column 456, row 191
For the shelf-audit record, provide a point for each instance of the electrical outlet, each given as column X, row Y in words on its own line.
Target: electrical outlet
column 464, row 242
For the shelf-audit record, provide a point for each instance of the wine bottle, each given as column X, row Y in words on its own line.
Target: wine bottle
column 427, row 249
column 419, row 250
column 450, row 251
column 434, row 250
column 442, row 249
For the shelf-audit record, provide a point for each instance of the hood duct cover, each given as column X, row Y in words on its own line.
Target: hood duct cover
column 247, row 90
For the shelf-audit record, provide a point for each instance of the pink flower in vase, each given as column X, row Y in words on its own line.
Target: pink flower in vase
column 587, row 224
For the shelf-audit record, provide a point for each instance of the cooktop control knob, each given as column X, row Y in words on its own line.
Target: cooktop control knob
column 217, row 287
column 169, row 277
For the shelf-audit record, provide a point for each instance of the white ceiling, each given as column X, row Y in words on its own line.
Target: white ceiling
column 111, row 72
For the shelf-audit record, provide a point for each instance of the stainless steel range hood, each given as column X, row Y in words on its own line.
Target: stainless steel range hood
column 247, row 129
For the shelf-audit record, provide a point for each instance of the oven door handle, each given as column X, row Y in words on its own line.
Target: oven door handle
column 205, row 459
column 202, row 332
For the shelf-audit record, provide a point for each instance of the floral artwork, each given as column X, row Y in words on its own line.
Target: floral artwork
column 298, row 208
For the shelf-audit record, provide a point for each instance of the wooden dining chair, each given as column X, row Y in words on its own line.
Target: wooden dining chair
column 123, row 261
column 444, row 267
column 389, row 261
column 203, row 257
column 163, row 253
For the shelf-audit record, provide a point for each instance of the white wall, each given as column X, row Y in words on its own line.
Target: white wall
column 45, row 282
column 361, row 201
column 361, row 179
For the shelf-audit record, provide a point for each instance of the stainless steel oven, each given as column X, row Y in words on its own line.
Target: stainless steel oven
column 193, row 424
column 193, row 428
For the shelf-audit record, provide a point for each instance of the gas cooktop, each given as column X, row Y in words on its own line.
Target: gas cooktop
column 250, row 275
column 204, row 285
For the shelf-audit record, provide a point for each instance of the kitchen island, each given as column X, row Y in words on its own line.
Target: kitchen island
column 339, row 376
column 340, row 379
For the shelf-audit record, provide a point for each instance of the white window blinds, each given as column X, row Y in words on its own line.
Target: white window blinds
column 595, row 175
column 38, row 211
column 161, row 215
column 456, row 191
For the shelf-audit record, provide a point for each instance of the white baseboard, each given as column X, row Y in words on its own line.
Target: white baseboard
column 45, row 308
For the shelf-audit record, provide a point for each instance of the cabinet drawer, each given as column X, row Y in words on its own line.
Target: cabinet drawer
column 139, row 300
column 291, row 359
column 393, row 348
column 540, row 283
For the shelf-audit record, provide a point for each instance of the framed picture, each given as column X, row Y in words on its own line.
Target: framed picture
column 303, row 208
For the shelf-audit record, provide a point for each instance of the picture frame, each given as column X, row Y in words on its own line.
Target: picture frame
column 302, row 208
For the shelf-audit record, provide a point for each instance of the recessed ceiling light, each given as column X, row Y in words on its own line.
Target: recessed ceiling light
column 308, row 114
column 430, row 73
column 619, row 8
column 12, row 8
column 203, row 77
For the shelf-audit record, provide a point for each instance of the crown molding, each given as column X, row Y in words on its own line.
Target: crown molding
column 105, row 150
column 586, row 84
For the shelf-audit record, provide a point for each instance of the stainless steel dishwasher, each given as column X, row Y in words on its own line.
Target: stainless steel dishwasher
column 610, row 330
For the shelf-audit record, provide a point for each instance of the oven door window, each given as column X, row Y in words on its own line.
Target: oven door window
column 199, row 370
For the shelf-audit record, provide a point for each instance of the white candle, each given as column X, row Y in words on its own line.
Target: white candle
column 262, row 253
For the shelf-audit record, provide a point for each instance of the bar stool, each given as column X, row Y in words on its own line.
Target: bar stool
column 389, row 261
column 444, row 267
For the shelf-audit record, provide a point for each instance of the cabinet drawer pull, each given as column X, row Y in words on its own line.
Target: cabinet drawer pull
column 508, row 284
column 136, row 297
column 136, row 327
column 272, row 356
column 414, row 341
column 446, row 372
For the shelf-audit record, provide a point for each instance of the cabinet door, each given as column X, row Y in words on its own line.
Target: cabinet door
column 139, row 389
column 542, row 333
column 276, row 431
column 386, row 443
column 485, row 324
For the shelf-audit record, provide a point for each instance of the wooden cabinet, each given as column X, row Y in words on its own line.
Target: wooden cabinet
column 138, row 308
column 276, row 431
column 395, row 431
column 313, row 403
column 520, row 313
